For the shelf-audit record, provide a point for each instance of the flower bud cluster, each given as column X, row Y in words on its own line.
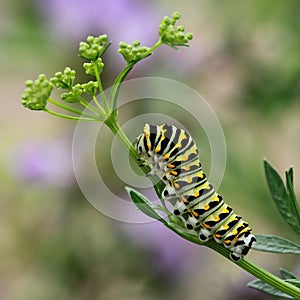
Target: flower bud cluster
column 134, row 52
column 173, row 35
column 90, row 87
column 64, row 80
column 37, row 92
column 74, row 95
column 94, row 66
column 94, row 47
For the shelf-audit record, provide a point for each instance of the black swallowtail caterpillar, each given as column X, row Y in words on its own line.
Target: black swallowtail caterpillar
column 172, row 154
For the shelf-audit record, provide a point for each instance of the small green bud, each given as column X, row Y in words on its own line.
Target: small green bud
column 103, row 38
column 74, row 95
column 136, row 43
column 36, row 94
column 122, row 45
column 64, row 80
column 176, row 15
column 189, row 36
column 180, row 28
column 166, row 21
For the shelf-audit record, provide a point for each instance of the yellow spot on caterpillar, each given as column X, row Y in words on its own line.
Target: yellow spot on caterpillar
column 206, row 186
column 207, row 226
column 166, row 156
column 218, row 236
column 149, row 146
column 200, row 174
column 170, row 166
column 216, row 198
column 185, row 158
column 184, row 200
column 196, row 194
column 227, row 242
column 190, row 180
column 187, row 168
column 206, row 207
column 174, row 173
column 176, row 185
column 157, row 149
column 217, row 219
column 196, row 215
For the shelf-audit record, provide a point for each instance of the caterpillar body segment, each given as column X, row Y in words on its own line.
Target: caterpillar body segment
column 172, row 154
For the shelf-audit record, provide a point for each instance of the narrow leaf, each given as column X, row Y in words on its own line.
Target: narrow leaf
column 295, row 282
column 294, row 222
column 264, row 287
column 284, row 199
column 287, row 274
column 275, row 244
column 144, row 204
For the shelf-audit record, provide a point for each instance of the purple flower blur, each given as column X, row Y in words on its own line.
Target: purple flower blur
column 46, row 162
column 121, row 20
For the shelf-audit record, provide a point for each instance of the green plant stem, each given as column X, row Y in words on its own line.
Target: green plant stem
column 69, row 117
column 115, row 127
column 117, row 84
column 251, row 268
column 258, row 272
column 84, row 103
column 102, row 94
column 70, row 109
column 99, row 106
column 121, row 77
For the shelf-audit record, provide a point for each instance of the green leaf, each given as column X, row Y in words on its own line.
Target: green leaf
column 144, row 204
column 293, row 203
column 264, row 287
column 295, row 282
column 275, row 244
column 285, row 199
column 286, row 274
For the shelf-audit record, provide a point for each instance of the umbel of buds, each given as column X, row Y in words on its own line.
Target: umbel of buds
column 37, row 92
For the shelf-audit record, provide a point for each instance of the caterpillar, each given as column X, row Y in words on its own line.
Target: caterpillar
column 172, row 154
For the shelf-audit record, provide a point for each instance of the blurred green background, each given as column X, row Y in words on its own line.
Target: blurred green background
column 244, row 59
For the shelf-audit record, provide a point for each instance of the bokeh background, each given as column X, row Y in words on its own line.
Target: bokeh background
column 244, row 59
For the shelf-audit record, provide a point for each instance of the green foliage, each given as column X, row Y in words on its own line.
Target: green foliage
column 286, row 202
column 286, row 274
column 268, row 289
column 284, row 196
column 275, row 244
column 143, row 204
